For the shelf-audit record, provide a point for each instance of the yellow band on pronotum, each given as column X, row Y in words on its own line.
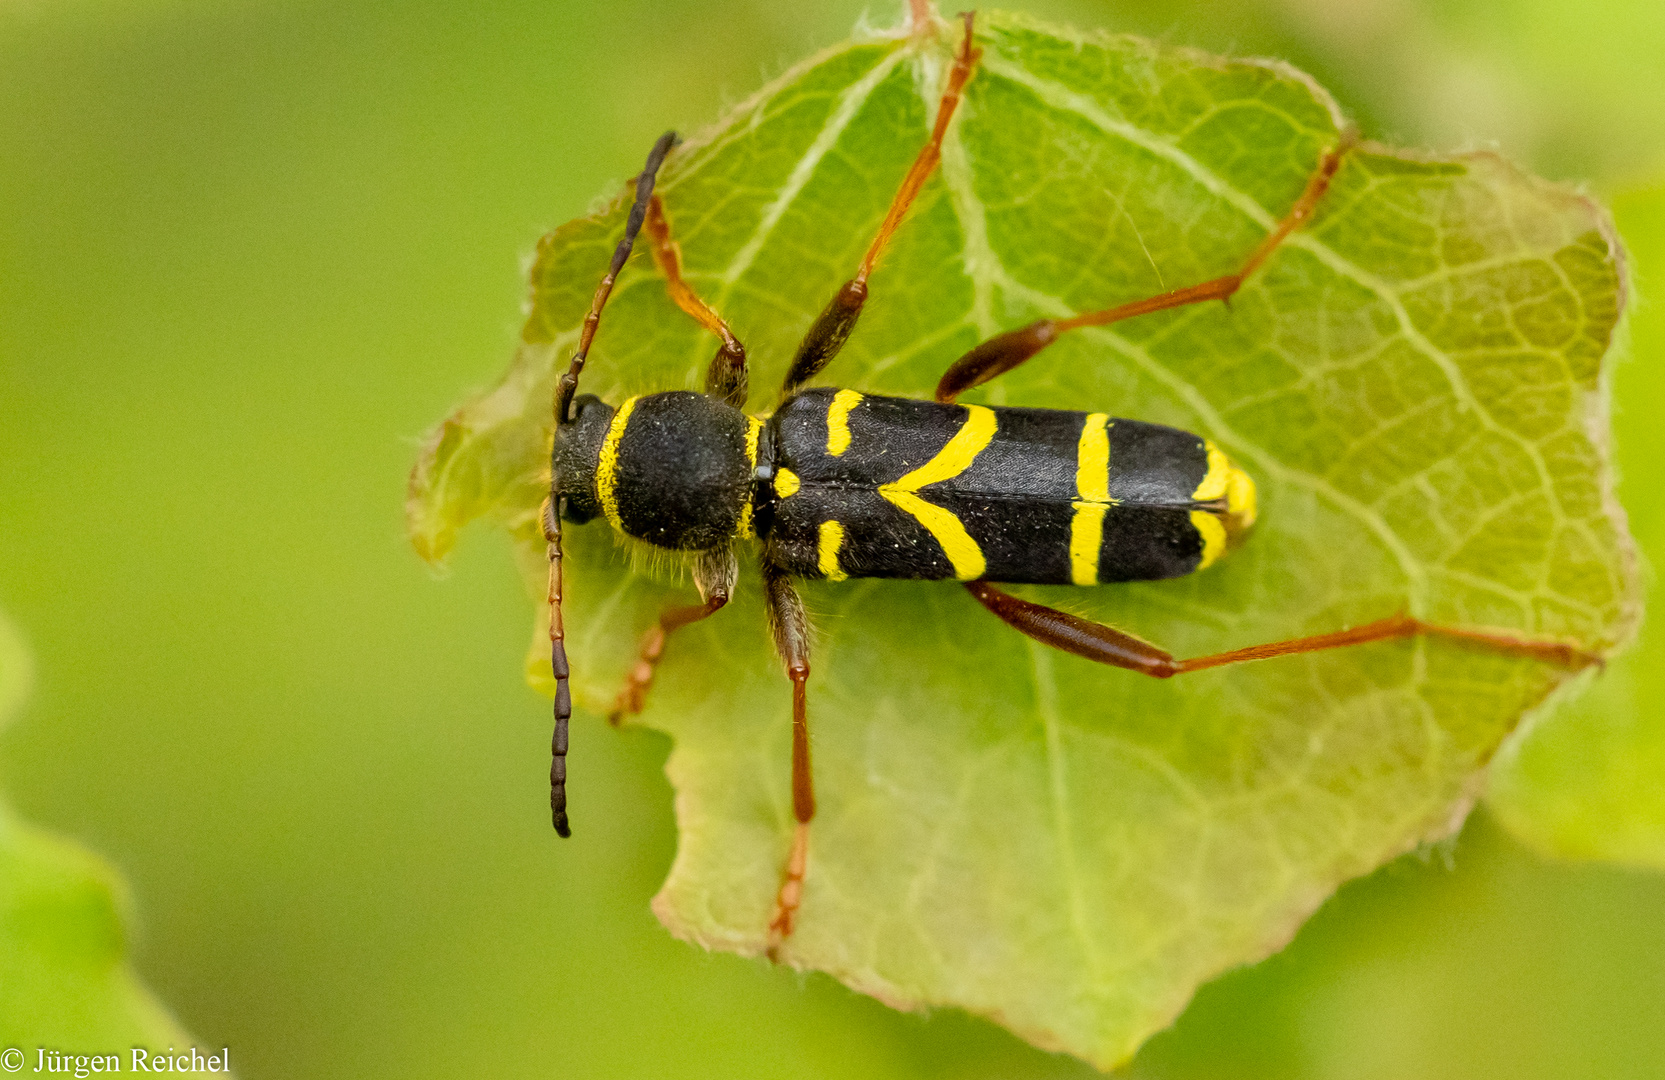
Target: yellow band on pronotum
column 754, row 432
column 607, row 473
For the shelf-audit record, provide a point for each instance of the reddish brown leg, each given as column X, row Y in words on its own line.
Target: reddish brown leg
column 714, row 575
column 726, row 378
column 1004, row 352
column 832, row 328
column 791, row 632
column 634, row 695
column 1107, row 645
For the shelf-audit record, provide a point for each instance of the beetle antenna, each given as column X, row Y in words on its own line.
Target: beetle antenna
column 565, row 390
column 568, row 386
column 558, row 668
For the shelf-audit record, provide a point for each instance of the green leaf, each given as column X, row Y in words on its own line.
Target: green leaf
column 1585, row 781
column 64, row 980
column 1413, row 379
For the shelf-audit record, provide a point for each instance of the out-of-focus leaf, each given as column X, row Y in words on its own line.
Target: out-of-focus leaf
column 1587, row 781
column 64, row 979
column 1414, row 380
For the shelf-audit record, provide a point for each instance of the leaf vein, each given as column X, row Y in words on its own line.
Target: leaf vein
column 849, row 104
column 1062, row 97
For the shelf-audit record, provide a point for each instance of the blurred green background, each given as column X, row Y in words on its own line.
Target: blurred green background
column 250, row 251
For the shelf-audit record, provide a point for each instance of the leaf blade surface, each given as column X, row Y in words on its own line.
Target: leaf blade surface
column 1412, row 379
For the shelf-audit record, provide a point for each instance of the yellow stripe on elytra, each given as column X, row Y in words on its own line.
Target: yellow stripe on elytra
column 1092, row 459
column 786, row 483
column 1215, row 481
column 1086, row 541
column 1240, row 499
column 1092, row 483
column 956, row 457
column 952, row 460
column 838, row 421
column 962, row 551
column 832, row 538
column 1213, row 534
column 754, row 432
column 607, row 472
column 1223, row 481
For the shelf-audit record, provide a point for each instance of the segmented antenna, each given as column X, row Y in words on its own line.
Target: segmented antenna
column 565, row 391
column 568, row 386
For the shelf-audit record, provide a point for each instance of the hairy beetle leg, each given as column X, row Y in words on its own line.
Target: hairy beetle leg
column 726, row 379
column 791, row 892
column 786, row 615
column 1107, row 645
column 1003, row 352
column 630, row 699
column 833, row 326
column 714, row 573
column 790, row 627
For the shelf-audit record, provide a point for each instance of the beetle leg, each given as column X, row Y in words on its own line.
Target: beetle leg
column 1004, row 352
column 790, row 628
column 726, row 378
column 1107, row 645
column 832, row 328
column 714, row 575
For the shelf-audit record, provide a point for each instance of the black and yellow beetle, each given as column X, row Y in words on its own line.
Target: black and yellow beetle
column 836, row 484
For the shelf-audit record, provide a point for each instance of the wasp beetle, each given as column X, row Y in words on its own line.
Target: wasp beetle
column 836, row 484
